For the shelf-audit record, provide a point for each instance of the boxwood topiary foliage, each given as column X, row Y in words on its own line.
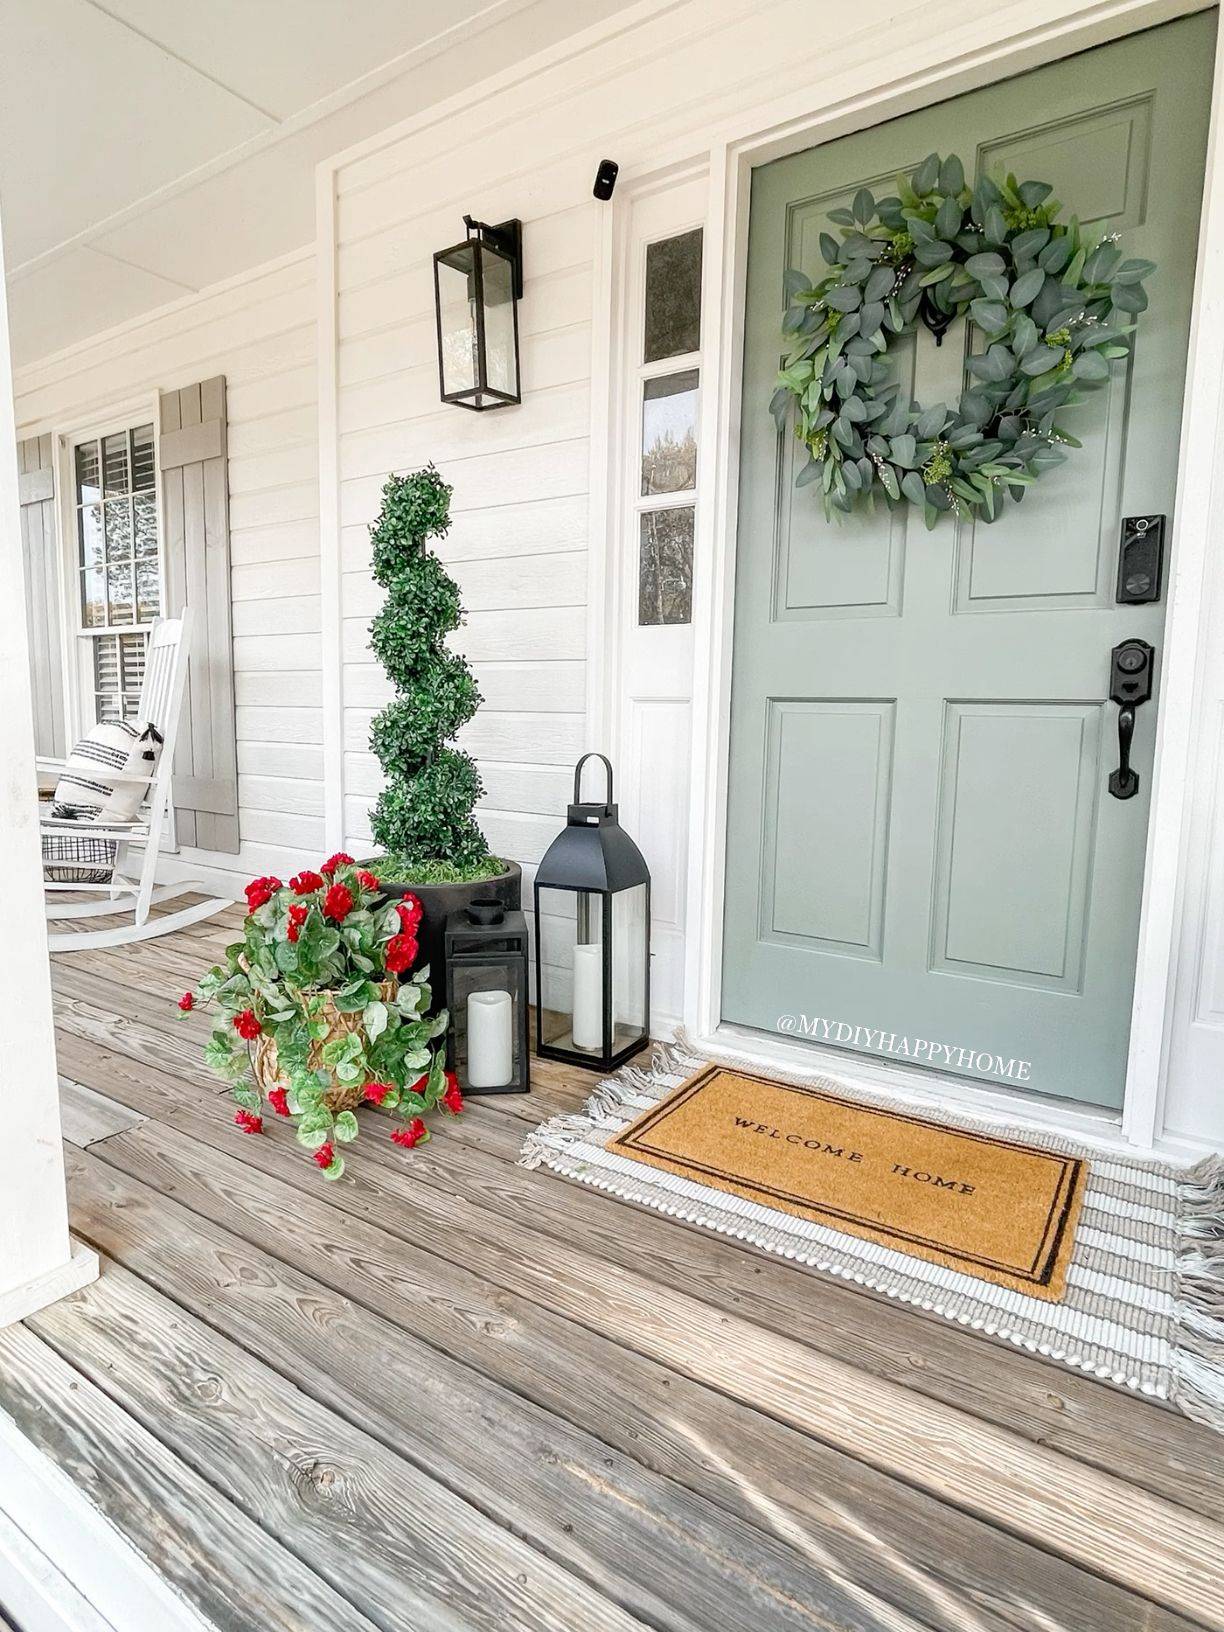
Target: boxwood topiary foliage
column 425, row 812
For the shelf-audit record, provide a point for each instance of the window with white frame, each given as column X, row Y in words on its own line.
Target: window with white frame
column 118, row 564
column 669, row 376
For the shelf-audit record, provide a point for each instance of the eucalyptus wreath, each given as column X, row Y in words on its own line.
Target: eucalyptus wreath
column 1050, row 299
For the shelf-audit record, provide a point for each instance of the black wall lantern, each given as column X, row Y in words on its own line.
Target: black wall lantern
column 486, row 993
column 592, row 933
column 477, row 287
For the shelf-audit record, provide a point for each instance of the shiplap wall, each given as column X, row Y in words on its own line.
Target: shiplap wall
column 521, row 476
column 260, row 333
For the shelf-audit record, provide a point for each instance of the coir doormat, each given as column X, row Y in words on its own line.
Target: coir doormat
column 978, row 1203
column 1107, row 1263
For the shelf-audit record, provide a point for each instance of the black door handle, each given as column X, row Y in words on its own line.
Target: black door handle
column 1130, row 684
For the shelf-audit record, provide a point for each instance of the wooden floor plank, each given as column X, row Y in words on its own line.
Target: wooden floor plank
column 1120, row 1433
column 229, row 1569
column 773, row 1422
column 87, row 1116
column 762, row 1469
column 667, row 1555
column 370, row 1524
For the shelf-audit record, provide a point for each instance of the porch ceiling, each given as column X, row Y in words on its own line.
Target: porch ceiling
column 149, row 148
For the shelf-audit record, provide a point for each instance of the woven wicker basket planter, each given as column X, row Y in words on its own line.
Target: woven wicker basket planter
column 341, row 1096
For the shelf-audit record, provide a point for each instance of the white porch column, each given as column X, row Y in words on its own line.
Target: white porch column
column 38, row 1261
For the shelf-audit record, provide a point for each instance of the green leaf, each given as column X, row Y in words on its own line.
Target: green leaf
column 913, row 488
column 1129, row 297
column 336, row 1169
column 346, row 1127
column 1027, row 287
column 951, row 175
column 937, row 275
column 843, row 298
column 374, row 1019
column 988, row 264
column 1133, row 272
column 879, row 284
column 863, row 207
column 1040, row 360
column 795, row 282
column 904, row 450
column 989, row 315
column 1032, row 193
column 1090, row 365
column 247, row 1097
column 888, row 478
column 926, row 176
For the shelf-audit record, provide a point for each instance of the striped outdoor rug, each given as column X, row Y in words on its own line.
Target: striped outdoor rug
column 1144, row 1302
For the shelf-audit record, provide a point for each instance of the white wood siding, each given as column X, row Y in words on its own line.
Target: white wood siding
column 260, row 334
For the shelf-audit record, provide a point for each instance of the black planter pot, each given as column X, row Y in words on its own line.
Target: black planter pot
column 438, row 901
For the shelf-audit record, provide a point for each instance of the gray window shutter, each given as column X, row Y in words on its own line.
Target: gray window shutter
column 39, row 544
column 195, row 493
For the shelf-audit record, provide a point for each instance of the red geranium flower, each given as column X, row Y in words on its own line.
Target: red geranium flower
column 260, row 890
column 376, row 1092
column 278, row 1098
column 298, row 915
column 411, row 1135
column 338, row 902
column 247, row 1025
column 367, row 880
column 332, row 862
column 249, row 1122
column 325, row 1155
column 305, row 881
column 410, row 913
column 401, row 953
column 453, row 1097
column 187, row 1002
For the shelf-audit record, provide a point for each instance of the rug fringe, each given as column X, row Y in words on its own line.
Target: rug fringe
column 1198, row 1315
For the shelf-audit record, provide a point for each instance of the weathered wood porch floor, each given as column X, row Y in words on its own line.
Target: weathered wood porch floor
column 448, row 1394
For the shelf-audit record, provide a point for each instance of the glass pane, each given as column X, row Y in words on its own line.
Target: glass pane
column 88, row 486
column 501, row 362
column 142, row 459
column 132, row 651
column 486, row 1016
column 106, row 663
column 669, row 433
column 115, row 464
column 665, row 566
column 118, row 530
column 628, row 966
column 456, row 313
column 93, row 597
column 673, row 297
column 144, row 508
column 89, row 532
column 120, row 592
column 571, row 969
column 148, row 589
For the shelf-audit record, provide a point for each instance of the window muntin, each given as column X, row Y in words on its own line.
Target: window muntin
column 118, row 562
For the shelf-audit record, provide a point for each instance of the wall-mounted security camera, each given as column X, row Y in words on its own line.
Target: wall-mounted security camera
column 605, row 178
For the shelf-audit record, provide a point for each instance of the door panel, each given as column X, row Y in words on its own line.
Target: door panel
column 920, row 839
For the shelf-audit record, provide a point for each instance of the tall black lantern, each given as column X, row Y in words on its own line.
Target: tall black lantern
column 592, row 924
column 477, row 287
column 486, row 994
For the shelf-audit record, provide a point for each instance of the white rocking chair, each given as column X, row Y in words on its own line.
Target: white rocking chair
column 161, row 702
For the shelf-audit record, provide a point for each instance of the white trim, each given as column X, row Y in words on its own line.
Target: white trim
column 331, row 578
column 723, row 322
column 95, row 1565
column 78, row 1270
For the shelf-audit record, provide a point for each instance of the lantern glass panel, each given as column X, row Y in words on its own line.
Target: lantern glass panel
column 571, row 969
column 488, row 1017
column 629, row 908
column 458, row 336
column 501, row 349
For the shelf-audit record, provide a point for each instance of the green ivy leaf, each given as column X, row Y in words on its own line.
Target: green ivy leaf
column 346, row 1127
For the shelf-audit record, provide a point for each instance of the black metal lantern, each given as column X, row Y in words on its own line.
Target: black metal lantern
column 486, row 993
column 592, row 933
column 477, row 287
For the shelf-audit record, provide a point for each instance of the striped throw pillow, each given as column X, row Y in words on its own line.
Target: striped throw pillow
column 87, row 791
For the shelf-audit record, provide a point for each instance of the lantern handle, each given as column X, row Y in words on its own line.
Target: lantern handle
column 607, row 764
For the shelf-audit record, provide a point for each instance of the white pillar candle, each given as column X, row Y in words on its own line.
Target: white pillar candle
column 490, row 1038
column 588, row 997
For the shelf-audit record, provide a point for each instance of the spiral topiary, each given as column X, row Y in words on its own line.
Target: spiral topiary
column 424, row 814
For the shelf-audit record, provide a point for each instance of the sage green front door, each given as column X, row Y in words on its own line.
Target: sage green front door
column 924, row 861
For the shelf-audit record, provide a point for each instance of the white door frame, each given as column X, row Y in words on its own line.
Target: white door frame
column 1200, row 495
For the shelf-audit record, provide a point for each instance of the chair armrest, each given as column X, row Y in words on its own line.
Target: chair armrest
column 91, row 830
